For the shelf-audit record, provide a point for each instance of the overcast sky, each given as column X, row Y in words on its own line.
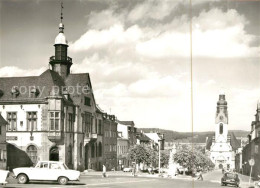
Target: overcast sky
column 138, row 55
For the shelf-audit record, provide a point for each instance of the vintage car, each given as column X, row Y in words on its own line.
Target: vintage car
column 231, row 179
column 46, row 171
column 3, row 176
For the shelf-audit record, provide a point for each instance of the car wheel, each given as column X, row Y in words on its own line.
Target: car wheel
column 63, row 180
column 22, row 178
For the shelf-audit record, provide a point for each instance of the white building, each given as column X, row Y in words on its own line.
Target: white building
column 222, row 146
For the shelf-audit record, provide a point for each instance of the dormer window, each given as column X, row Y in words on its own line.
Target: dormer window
column 34, row 91
column 15, row 91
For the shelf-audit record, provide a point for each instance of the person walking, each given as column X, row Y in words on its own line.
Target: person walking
column 200, row 176
column 104, row 171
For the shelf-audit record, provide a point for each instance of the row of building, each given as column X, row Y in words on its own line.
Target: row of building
column 54, row 116
column 248, row 157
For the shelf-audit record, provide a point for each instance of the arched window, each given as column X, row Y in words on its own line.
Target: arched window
column 221, row 128
column 32, row 153
column 100, row 149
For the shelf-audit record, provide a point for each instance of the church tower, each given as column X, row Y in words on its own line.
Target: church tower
column 61, row 63
column 221, row 151
column 221, row 119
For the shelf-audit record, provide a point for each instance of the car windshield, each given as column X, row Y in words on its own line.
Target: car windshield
column 231, row 175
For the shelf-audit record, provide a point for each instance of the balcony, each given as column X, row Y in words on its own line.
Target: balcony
column 54, row 136
column 89, row 137
column 53, row 59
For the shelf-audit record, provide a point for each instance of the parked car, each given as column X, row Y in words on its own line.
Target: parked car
column 128, row 169
column 47, row 171
column 231, row 179
column 3, row 176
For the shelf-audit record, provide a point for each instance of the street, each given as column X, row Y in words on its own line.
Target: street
column 125, row 180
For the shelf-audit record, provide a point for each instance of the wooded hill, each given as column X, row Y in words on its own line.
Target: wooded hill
column 198, row 137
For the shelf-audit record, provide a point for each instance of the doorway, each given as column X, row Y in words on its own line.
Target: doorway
column 220, row 166
column 54, row 154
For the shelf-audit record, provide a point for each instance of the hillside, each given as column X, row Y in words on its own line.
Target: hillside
column 198, row 137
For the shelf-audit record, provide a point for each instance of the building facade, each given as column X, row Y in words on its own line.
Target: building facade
column 54, row 116
column 3, row 144
column 222, row 146
column 110, row 141
column 251, row 150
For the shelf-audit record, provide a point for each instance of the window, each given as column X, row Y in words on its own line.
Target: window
column 87, row 101
column 83, row 123
column 12, row 121
column 32, row 153
column 100, row 149
column 31, row 121
column 70, row 123
column 99, row 126
column 1, row 157
column 54, row 121
column 0, row 129
column 221, row 128
column 88, row 122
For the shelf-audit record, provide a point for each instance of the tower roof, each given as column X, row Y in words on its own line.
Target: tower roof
column 61, row 38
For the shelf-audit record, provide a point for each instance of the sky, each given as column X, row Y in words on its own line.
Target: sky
column 138, row 55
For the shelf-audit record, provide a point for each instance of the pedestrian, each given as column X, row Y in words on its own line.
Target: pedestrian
column 104, row 171
column 200, row 176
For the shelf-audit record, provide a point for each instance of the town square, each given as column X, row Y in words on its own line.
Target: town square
column 130, row 93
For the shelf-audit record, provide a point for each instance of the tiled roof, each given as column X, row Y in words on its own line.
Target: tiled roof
column 82, row 79
column 2, row 120
column 234, row 142
column 44, row 83
column 126, row 122
column 143, row 138
column 209, row 143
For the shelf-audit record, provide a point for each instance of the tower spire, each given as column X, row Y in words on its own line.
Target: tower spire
column 61, row 26
column 61, row 14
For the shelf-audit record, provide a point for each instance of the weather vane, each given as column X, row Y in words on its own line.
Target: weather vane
column 61, row 7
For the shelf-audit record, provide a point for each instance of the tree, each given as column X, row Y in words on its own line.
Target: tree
column 192, row 158
column 138, row 154
column 165, row 156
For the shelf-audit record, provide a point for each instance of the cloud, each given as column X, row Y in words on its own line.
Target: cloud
column 152, row 9
column 12, row 71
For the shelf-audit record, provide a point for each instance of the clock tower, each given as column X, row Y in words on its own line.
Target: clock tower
column 221, row 119
column 221, row 151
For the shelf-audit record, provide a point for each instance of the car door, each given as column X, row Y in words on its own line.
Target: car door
column 40, row 172
column 55, row 170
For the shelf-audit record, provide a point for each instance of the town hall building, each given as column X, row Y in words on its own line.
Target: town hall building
column 54, row 116
column 223, row 145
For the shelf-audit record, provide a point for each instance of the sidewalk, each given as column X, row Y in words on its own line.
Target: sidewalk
column 138, row 174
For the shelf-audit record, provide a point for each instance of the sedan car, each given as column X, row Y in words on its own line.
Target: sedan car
column 47, row 171
column 231, row 179
column 3, row 176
